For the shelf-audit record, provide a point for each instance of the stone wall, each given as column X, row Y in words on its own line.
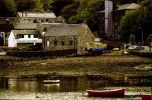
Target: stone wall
column 52, row 43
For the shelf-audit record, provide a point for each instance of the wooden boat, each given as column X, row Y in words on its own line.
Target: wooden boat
column 50, row 81
column 146, row 97
column 106, row 93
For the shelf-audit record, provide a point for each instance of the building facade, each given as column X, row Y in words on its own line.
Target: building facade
column 66, row 37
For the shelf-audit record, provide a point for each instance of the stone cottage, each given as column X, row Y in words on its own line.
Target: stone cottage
column 65, row 37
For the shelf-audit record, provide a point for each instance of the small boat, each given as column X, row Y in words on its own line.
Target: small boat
column 146, row 97
column 50, row 81
column 106, row 93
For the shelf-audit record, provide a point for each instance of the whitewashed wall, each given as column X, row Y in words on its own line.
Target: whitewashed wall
column 11, row 40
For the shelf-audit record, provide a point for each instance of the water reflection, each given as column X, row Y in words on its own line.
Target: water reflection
column 71, row 86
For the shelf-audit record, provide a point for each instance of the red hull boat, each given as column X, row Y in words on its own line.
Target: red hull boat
column 146, row 97
column 106, row 93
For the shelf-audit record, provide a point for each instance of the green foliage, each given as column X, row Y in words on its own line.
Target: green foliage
column 87, row 13
column 38, row 6
column 69, row 11
column 132, row 39
column 137, row 21
column 64, row 7
column 24, row 5
column 34, row 5
column 128, row 25
column 47, row 4
column 7, row 8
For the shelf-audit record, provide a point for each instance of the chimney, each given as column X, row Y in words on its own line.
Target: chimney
column 108, row 17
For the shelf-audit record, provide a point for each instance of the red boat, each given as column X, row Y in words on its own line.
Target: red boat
column 146, row 97
column 106, row 93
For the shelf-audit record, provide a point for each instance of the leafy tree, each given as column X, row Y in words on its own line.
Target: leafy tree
column 69, row 11
column 136, row 22
column 7, row 8
column 47, row 4
column 132, row 39
column 59, row 5
column 24, row 5
column 38, row 6
column 87, row 13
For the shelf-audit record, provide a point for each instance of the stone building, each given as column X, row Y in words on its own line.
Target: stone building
column 65, row 37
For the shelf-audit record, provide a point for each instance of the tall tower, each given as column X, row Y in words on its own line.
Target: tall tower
column 108, row 17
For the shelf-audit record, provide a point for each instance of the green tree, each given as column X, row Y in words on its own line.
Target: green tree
column 8, row 8
column 69, row 11
column 47, row 5
column 60, row 5
column 38, row 6
column 24, row 5
column 137, row 22
column 87, row 13
column 132, row 39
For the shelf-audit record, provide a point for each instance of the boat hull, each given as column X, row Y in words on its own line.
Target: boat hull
column 146, row 97
column 50, row 81
column 110, row 93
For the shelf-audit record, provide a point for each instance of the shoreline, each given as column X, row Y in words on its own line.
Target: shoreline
column 112, row 65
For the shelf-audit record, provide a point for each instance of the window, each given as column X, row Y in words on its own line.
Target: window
column 45, row 29
column 20, row 36
column 29, row 36
column 48, row 43
column 70, row 42
column 35, row 36
column 47, row 20
column 55, row 43
column 63, row 43
column 35, row 21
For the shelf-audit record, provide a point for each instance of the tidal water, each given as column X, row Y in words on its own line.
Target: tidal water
column 69, row 88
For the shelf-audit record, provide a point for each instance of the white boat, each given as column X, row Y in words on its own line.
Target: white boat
column 2, row 52
column 49, row 81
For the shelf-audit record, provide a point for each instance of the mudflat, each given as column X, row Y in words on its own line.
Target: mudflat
column 115, row 66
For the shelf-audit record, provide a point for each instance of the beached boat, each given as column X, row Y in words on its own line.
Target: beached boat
column 106, row 93
column 50, row 81
column 146, row 97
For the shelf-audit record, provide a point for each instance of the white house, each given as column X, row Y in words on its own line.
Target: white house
column 11, row 40
column 23, row 38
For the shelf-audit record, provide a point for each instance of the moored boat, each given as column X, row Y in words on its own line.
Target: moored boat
column 146, row 97
column 50, row 81
column 106, row 93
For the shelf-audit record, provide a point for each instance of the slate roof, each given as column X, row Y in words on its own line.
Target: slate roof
column 63, row 29
column 36, row 15
column 130, row 6
column 25, row 25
